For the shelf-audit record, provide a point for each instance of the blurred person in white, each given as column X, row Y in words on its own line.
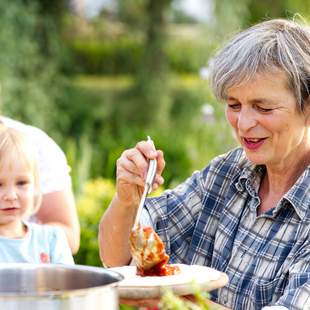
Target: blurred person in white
column 58, row 206
column 20, row 197
column 247, row 213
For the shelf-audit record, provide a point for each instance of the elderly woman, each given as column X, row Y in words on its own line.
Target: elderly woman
column 248, row 212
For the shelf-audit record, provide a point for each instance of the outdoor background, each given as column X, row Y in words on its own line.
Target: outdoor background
column 98, row 76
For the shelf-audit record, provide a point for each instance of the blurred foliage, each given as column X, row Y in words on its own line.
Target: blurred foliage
column 29, row 83
column 91, row 204
column 244, row 13
column 222, row 27
column 260, row 10
column 171, row 301
column 132, row 12
column 122, row 55
column 152, row 82
column 100, row 130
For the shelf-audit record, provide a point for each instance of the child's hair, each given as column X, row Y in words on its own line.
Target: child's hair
column 15, row 146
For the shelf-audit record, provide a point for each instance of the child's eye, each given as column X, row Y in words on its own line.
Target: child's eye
column 22, row 182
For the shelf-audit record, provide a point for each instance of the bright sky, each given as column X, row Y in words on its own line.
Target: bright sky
column 196, row 8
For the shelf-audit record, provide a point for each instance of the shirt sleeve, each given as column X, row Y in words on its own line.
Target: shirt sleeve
column 297, row 292
column 146, row 219
column 59, row 247
column 174, row 214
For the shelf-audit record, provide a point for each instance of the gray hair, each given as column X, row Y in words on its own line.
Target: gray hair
column 266, row 47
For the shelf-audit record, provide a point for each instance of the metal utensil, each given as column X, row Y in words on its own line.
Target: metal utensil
column 146, row 248
column 151, row 172
column 57, row 287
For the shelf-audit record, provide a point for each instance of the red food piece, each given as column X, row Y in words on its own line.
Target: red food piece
column 44, row 258
column 161, row 269
column 147, row 256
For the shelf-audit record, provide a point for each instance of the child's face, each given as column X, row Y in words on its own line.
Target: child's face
column 16, row 192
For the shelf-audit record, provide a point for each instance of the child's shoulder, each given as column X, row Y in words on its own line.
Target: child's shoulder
column 47, row 232
column 51, row 241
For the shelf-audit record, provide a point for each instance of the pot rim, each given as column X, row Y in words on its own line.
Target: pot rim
column 62, row 293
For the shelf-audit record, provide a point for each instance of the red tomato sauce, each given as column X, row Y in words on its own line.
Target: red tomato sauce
column 161, row 268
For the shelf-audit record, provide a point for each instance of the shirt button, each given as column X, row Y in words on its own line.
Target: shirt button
column 239, row 187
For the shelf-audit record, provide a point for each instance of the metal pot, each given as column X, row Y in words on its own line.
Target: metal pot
column 57, row 287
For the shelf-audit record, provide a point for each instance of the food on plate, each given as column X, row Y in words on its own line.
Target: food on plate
column 135, row 287
column 148, row 252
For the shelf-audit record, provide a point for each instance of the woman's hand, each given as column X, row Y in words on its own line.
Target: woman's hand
column 117, row 221
column 132, row 169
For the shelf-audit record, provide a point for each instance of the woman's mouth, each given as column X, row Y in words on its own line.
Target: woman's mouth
column 253, row 143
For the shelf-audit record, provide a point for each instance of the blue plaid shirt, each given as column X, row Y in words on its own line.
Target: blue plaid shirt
column 211, row 220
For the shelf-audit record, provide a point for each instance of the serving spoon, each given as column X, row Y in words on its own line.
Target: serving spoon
column 146, row 247
column 151, row 172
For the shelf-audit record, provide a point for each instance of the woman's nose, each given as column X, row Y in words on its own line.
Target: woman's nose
column 246, row 120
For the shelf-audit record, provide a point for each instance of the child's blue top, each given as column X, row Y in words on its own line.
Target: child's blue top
column 42, row 244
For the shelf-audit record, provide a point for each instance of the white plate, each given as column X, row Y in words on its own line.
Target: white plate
column 137, row 287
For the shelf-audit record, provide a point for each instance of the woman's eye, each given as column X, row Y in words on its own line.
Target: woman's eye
column 261, row 109
column 234, row 106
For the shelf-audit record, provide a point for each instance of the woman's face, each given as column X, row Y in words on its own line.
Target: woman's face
column 266, row 121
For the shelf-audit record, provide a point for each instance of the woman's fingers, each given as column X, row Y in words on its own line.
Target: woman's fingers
column 147, row 149
column 134, row 161
column 125, row 164
column 159, row 180
column 133, row 164
column 160, row 162
column 149, row 303
column 126, row 177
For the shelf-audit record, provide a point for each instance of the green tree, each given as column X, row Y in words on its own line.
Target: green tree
column 153, row 76
column 260, row 10
column 25, row 76
column 31, row 76
column 228, row 17
column 150, row 103
column 244, row 13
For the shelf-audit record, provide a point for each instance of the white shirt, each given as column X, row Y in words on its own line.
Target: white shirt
column 53, row 167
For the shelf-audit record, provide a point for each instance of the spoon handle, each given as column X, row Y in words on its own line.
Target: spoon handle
column 151, row 172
